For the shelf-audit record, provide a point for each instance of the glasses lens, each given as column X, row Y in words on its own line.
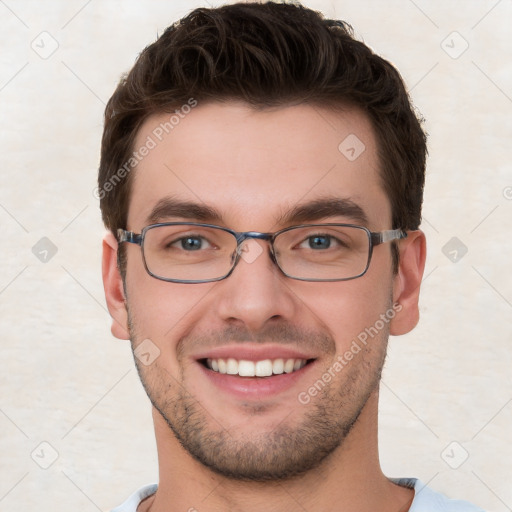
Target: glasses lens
column 188, row 253
column 323, row 252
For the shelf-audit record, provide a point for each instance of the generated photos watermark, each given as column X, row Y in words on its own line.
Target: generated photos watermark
column 304, row 397
column 151, row 142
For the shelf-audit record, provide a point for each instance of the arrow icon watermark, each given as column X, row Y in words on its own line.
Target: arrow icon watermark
column 146, row 352
column 351, row 147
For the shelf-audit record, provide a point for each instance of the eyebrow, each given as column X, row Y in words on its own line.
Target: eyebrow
column 170, row 207
column 321, row 208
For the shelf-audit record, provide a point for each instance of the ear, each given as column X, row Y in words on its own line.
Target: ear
column 406, row 284
column 113, row 285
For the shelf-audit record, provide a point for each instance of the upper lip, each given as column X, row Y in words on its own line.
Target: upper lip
column 253, row 353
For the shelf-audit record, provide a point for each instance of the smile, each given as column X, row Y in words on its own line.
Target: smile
column 262, row 368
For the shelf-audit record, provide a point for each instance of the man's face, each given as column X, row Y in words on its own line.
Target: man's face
column 253, row 168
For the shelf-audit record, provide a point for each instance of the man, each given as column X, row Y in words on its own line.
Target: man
column 262, row 176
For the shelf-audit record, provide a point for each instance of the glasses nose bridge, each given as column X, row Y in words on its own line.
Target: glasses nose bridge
column 245, row 235
column 241, row 237
column 256, row 235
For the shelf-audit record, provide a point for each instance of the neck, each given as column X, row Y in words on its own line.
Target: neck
column 350, row 478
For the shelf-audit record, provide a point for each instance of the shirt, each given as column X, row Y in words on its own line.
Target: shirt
column 425, row 499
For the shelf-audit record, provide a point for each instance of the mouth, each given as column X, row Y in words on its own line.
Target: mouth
column 262, row 368
column 255, row 375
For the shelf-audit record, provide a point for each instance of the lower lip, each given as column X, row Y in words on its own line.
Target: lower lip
column 255, row 387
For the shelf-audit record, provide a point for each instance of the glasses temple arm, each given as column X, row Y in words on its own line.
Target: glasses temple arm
column 128, row 236
column 387, row 236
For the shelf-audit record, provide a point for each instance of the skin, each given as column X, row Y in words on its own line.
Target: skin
column 275, row 453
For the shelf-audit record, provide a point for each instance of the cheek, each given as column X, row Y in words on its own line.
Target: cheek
column 345, row 309
column 164, row 313
column 160, row 310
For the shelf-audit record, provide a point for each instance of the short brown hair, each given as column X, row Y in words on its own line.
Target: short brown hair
column 266, row 54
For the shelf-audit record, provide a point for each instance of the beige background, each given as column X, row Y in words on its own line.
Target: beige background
column 65, row 381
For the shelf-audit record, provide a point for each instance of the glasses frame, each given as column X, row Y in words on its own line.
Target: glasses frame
column 374, row 239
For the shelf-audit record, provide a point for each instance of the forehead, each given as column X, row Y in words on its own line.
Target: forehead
column 253, row 166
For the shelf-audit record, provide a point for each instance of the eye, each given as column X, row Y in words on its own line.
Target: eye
column 191, row 243
column 317, row 242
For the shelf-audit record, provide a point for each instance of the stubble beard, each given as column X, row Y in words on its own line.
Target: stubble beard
column 286, row 452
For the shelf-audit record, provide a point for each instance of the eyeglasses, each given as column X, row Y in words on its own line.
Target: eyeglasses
column 190, row 252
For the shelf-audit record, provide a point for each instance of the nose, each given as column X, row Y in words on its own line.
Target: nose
column 256, row 292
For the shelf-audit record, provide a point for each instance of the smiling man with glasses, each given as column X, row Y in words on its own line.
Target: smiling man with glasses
column 269, row 218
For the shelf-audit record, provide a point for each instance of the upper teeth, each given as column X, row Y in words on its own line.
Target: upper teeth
column 262, row 368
